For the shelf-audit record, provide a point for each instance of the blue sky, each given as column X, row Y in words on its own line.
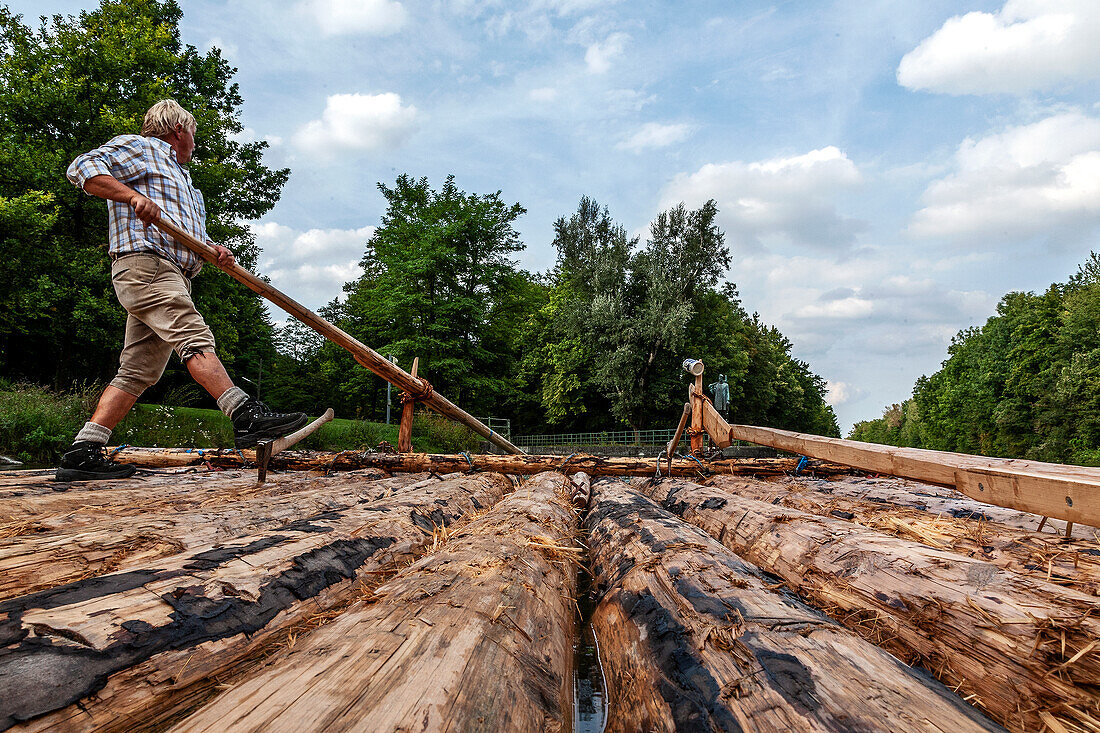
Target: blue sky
column 886, row 169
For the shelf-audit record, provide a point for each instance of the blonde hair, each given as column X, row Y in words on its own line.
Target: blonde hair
column 162, row 118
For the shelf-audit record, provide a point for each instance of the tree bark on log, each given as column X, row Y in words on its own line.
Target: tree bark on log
column 1073, row 563
column 1021, row 648
column 930, row 498
column 476, row 636
column 126, row 650
column 110, row 539
column 441, row 463
column 693, row 638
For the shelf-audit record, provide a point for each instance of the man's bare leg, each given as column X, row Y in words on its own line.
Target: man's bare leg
column 113, row 405
column 207, row 369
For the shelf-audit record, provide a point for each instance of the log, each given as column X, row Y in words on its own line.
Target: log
column 519, row 465
column 1073, row 563
column 1071, row 493
column 934, row 499
column 88, row 544
column 129, row 650
column 362, row 353
column 476, row 636
column 692, row 638
column 1019, row 647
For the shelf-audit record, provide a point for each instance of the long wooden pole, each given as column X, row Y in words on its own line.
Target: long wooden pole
column 1065, row 492
column 362, row 353
column 446, row 463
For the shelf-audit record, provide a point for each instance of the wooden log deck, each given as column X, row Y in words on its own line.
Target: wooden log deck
column 430, row 593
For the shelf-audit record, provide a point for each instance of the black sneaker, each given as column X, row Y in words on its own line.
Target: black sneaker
column 253, row 422
column 88, row 461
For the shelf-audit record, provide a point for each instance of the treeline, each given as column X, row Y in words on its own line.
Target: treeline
column 1024, row 385
column 594, row 343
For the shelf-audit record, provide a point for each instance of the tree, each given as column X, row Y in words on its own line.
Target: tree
column 439, row 283
column 620, row 318
column 69, row 86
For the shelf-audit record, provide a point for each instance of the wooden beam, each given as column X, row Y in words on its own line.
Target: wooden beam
column 445, row 463
column 408, row 406
column 694, row 638
column 362, row 353
column 1065, row 492
column 963, row 525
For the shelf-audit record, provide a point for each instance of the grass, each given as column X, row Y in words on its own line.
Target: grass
column 37, row 424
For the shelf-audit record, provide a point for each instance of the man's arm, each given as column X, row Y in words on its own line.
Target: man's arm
column 112, row 189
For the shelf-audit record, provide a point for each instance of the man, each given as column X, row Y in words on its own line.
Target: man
column 721, row 392
column 142, row 177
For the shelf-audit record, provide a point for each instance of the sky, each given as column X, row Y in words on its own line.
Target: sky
column 885, row 169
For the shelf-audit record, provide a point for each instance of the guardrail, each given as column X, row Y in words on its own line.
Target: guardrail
column 604, row 437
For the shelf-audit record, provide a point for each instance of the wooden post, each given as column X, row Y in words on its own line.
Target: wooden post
column 408, row 404
column 362, row 353
column 696, row 431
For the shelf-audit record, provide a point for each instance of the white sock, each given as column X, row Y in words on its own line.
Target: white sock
column 94, row 432
column 231, row 399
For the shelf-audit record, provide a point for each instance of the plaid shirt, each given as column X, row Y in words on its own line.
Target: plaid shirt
column 149, row 166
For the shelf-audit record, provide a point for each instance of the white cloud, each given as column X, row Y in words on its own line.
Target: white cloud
column 628, row 100
column 1027, row 180
column 543, row 94
column 840, row 309
column 1028, row 45
column 311, row 266
column 358, row 122
column 599, row 55
column 655, row 135
column 837, row 393
column 783, row 199
column 368, row 17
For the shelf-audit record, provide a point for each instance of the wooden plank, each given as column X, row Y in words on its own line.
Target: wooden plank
column 1073, row 563
column 717, row 428
column 518, row 465
column 130, row 649
column 1015, row 645
column 476, row 636
column 1071, row 493
column 693, row 639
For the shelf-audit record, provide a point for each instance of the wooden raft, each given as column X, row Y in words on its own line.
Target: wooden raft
column 1019, row 647
column 476, row 636
column 126, row 650
column 693, row 639
column 968, row 528
column 57, row 538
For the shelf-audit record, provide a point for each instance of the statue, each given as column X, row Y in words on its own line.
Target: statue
column 721, row 392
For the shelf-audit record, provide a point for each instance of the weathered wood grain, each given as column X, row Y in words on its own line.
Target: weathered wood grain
column 89, row 541
column 692, row 638
column 476, row 636
column 1073, row 563
column 1071, row 493
column 124, row 650
column 1018, row 647
column 444, row 463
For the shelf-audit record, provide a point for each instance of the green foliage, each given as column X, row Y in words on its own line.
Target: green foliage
column 621, row 317
column 1024, row 385
column 70, row 84
column 439, row 284
column 36, row 423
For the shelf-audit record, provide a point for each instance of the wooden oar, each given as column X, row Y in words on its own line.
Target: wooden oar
column 366, row 356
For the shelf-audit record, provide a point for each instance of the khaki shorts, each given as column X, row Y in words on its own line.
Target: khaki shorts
column 162, row 317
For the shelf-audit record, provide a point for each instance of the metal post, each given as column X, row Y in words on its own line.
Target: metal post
column 389, row 390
